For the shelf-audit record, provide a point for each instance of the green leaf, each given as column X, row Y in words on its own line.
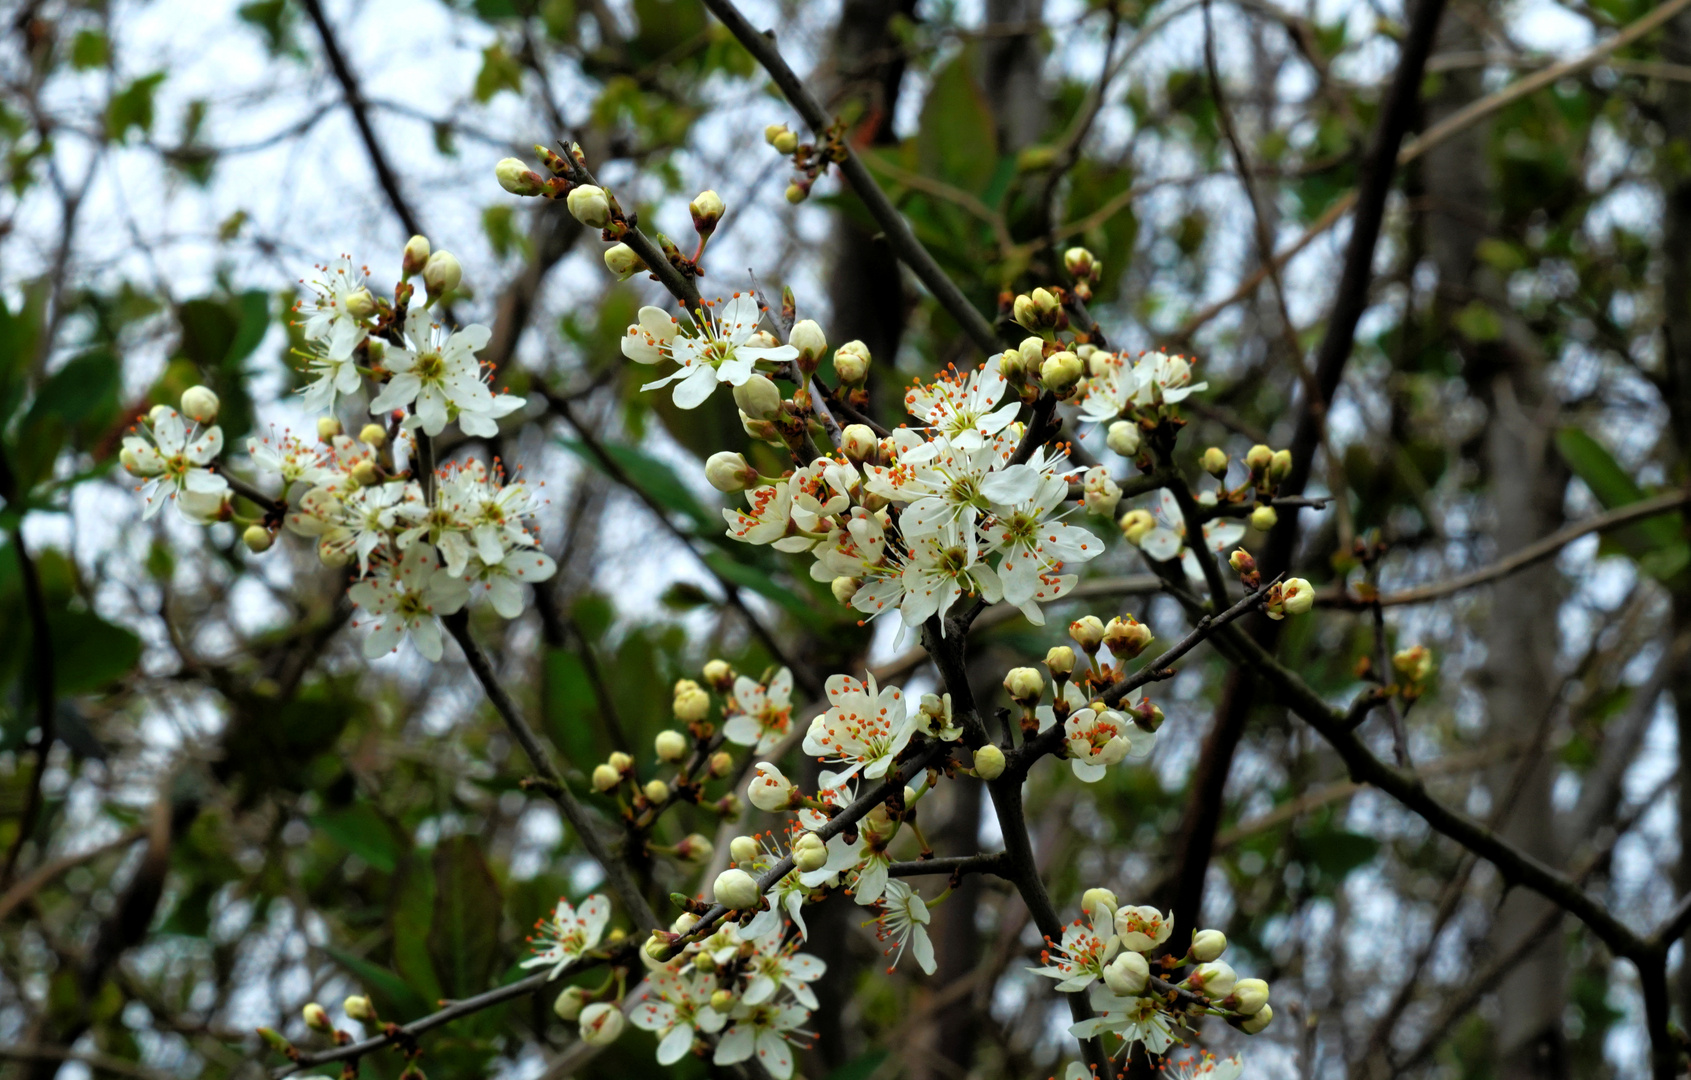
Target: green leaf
column 758, row 580
column 132, row 107
column 410, row 915
column 363, row 831
column 499, row 71
column 1658, row 542
column 89, row 652
column 1336, row 852
column 860, row 1068
column 395, row 1000
column 1477, row 322
column 89, row 50
column 464, row 938
column 569, row 704
column 651, row 476
column 957, row 140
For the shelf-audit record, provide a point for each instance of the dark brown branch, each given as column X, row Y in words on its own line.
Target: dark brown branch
column 955, row 865
column 360, row 110
column 41, row 653
column 898, row 234
column 616, row 874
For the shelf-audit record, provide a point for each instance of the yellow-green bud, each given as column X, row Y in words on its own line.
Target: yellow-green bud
column 808, row 339
column 670, row 745
column 1087, row 632
column 1214, row 462
column 796, row 192
column 515, row 176
column 416, row 256
column 359, row 303
column 656, row 792
column 589, row 205
column 359, row 1008
column 441, row 274
column 1060, row 661
column 736, row 889
column 1094, row 900
column 258, row 539
column 851, row 363
column 621, row 762
column 1207, row 945
column 1061, row 371
column 1127, row 639
column 989, row 762
column 1264, row 518
column 707, row 210
column 366, row 474
column 721, row 764
column 719, row 673
column 570, row 1002
column 810, row 853
column 374, row 435
column 601, row 1023
column 1259, row 1021
column 722, row 1001
column 317, row 1017
column 743, row 849
column 1249, row 997
column 1135, row 524
column 1080, row 264
column 1414, row 663
column 1123, row 438
column 858, row 443
column 328, row 428
column 1024, row 684
column 1280, row 466
column 1127, row 974
column 758, row 398
column 621, row 261
column 728, row 472
column 691, row 704
column 200, row 403
column 844, row 588
column 1258, row 458
column 605, row 778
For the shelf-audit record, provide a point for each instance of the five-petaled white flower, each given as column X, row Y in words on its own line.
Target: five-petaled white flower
column 563, row 937
column 405, row 596
column 1098, row 738
column 717, row 351
column 1080, row 958
column 864, row 729
column 1206, row 1066
column 676, row 1006
column 1142, row 927
column 327, row 308
column 762, row 714
column 1132, row 1019
column 440, row 375
column 762, row 1030
column 174, row 464
column 1163, row 380
column 774, row 966
column 964, row 408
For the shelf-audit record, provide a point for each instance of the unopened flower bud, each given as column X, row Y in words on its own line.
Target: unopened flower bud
column 758, row 398
column 721, row 764
column 1123, row 438
column 736, row 889
column 722, row 1001
column 416, row 256
column 327, row 428
column 1214, row 462
column 317, row 1017
column 1127, row 974
column 1061, row 371
column 858, row 442
column 1100, row 492
column 1059, row 661
column 743, row 849
column 258, row 539
column 692, row 703
column 441, row 274
column 589, row 205
column 1023, row 311
column 359, row 1008
column 359, row 303
column 810, row 853
column 1249, row 997
column 729, row 472
column 605, row 778
column 769, row 791
column 694, row 847
column 1259, row 1021
column 1080, row 264
column 1258, row 458
column 601, row 1023
column 719, row 673
column 989, row 762
column 200, row 403
column 1214, row 979
column 656, row 792
column 657, row 945
column 1280, row 466
column 844, row 588
column 808, row 339
column 1087, row 632
column 621, row 261
column 670, row 745
column 781, row 138
column 851, row 363
column 1146, row 716
column 515, row 176
column 1264, row 518
column 1241, row 562
column 1096, row 900
column 1207, row 945
column 334, row 548
column 1414, row 663
column 373, row 435
column 1127, row 639
column 1297, row 596
column 1135, row 524
column 1024, row 684
column 621, row 762
column 365, row 473
column 1045, row 303
column 797, row 192
column 707, row 210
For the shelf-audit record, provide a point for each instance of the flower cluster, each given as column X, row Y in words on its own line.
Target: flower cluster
column 424, row 545
column 1106, row 952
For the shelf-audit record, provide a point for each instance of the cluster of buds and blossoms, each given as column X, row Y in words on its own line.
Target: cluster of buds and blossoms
column 810, row 160
column 423, row 545
column 1107, row 952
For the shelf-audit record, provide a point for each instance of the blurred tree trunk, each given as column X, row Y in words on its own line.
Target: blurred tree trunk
column 1676, row 318
column 1507, row 373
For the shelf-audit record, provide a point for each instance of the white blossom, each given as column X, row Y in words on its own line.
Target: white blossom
column 717, row 350
column 563, row 937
